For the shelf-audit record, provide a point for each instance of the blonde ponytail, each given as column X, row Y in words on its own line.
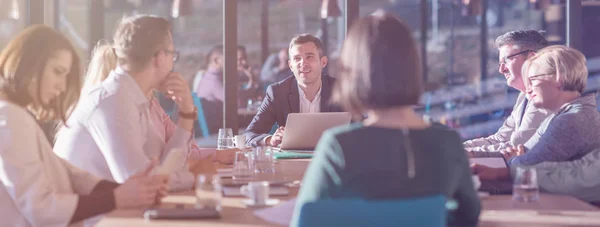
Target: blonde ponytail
column 103, row 61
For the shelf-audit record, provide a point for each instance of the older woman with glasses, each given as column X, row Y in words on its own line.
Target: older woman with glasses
column 555, row 79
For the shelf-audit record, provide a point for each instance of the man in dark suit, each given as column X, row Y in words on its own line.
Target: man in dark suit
column 307, row 91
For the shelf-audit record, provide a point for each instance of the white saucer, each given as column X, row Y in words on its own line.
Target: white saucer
column 483, row 194
column 269, row 202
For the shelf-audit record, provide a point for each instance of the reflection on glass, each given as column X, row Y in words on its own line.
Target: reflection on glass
column 11, row 19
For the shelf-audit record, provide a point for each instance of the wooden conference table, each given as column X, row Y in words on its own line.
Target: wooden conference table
column 498, row 210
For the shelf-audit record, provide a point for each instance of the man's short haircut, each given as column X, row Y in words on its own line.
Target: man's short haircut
column 307, row 38
column 523, row 40
column 138, row 38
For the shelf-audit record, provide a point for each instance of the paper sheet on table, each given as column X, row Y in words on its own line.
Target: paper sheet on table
column 489, row 162
column 273, row 191
column 280, row 214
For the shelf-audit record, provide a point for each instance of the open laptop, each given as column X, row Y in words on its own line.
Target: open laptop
column 303, row 130
column 494, row 160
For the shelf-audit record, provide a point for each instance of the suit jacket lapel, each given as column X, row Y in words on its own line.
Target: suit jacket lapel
column 294, row 97
column 325, row 94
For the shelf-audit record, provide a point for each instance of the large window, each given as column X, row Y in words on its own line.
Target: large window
column 456, row 91
column 73, row 21
column 12, row 18
column 457, row 95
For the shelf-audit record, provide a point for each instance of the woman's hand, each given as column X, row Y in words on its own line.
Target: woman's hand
column 142, row 189
column 512, row 152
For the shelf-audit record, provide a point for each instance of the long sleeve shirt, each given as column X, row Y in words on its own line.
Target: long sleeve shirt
column 517, row 129
column 37, row 188
column 114, row 133
column 566, row 135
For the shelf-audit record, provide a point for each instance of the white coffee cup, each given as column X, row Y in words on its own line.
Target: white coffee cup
column 257, row 191
column 240, row 141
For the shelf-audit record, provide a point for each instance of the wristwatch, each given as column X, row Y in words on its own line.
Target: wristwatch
column 192, row 116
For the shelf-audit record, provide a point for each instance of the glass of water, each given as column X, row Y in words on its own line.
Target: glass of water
column 262, row 160
column 525, row 187
column 225, row 138
column 242, row 166
column 208, row 192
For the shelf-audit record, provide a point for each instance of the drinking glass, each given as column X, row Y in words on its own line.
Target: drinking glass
column 225, row 139
column 208, row 193
column 525, row 187
column 262, row 160
column 241, row 166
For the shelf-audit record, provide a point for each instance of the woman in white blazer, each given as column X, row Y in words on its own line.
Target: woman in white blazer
column 40, row 78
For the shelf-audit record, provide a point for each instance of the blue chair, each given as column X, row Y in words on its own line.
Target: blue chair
column 201, row 117
column 274, row 128
column 426, row 212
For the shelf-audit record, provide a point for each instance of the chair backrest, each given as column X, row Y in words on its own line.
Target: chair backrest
column 201, row 117
column 274, row 128
column 425, row 211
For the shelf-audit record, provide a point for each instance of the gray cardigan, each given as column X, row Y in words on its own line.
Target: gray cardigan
column 566, row 135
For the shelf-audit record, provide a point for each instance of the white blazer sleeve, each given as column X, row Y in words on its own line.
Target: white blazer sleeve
column 23, row 176
column 118, row 132
column 82, row 181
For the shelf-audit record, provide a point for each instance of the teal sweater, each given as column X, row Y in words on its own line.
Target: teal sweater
column 371, row 163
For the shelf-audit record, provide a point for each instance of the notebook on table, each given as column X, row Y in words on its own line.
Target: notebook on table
column 292, row 155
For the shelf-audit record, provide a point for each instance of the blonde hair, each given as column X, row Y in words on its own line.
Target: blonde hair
column 568, row 65
column 103, row 61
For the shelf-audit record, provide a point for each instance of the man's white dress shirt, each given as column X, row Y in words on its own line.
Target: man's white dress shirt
column 110, row 133
column 306, row 106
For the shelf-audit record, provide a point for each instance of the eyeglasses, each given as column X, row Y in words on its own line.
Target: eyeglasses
column 509, row 57
column 538, row 77
column 173, row 52
column 541, row 75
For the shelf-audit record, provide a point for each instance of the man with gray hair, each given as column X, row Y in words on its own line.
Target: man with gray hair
column 565, row 150
column 514, row 48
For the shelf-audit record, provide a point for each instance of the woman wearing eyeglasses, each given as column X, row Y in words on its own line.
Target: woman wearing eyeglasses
column 555, row 79
column 514, row 48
